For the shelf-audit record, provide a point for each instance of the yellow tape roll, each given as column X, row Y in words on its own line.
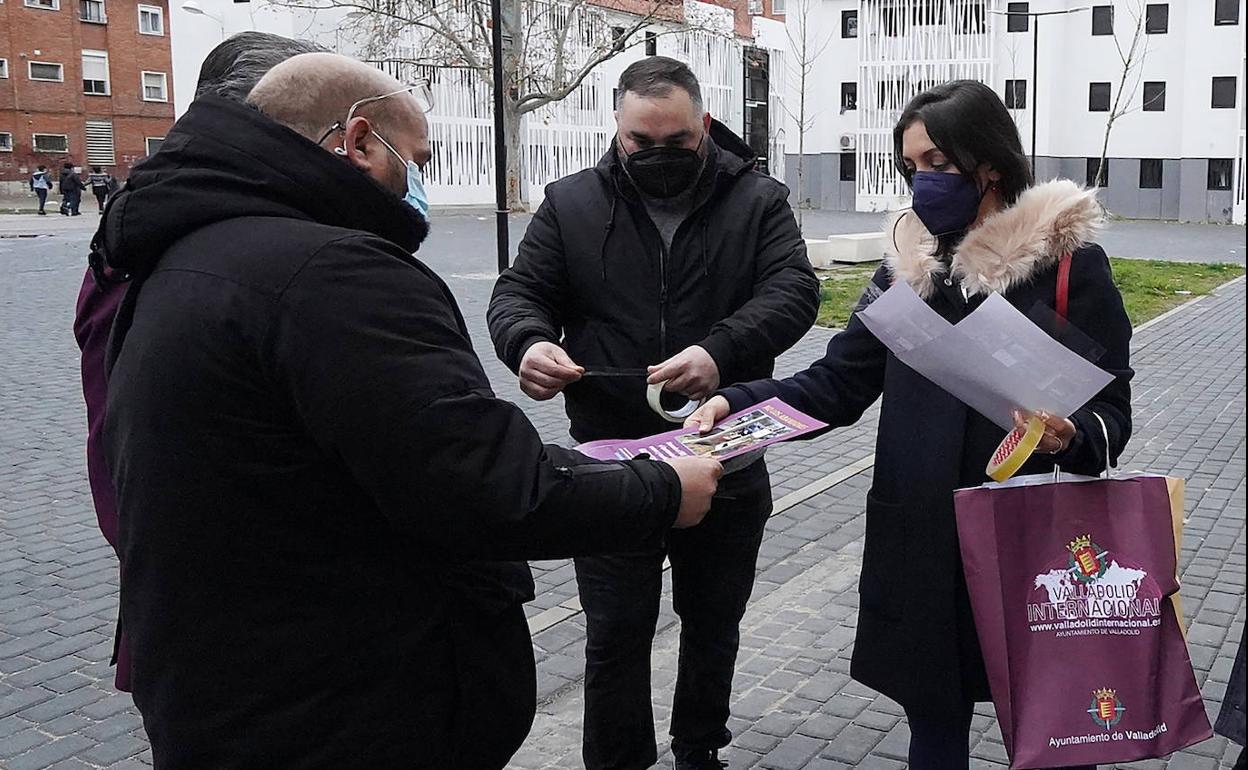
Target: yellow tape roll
column 1015, row 450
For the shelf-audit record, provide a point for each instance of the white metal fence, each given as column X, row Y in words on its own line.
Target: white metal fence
column 572, row 134
column 905, row 47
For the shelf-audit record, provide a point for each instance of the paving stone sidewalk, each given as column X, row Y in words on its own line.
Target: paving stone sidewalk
column 795, row 706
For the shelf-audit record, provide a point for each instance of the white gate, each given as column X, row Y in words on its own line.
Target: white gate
column 570, row 135
column 905, row 47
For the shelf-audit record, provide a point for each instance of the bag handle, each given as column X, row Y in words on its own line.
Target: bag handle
column 1057, row 469
column 1063, row 284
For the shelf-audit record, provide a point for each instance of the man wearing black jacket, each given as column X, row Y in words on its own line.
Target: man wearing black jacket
column 312, row 470
column 71, row 188
column 673, row 261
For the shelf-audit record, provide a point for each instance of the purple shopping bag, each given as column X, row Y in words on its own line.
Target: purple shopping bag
column 1074, row 589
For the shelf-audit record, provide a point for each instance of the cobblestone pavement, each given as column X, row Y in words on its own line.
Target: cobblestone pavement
column 794, row 704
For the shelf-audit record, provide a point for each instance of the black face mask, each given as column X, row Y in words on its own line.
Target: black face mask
column 663, row 172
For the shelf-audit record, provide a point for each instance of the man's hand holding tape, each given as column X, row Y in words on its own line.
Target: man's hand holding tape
column 692, row 371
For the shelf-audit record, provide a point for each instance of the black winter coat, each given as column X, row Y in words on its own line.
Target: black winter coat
column 310, row 464
column 70, row 183
column 916, row 640
column 594, row 275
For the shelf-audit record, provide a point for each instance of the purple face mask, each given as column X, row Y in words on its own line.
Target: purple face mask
column 945, row 203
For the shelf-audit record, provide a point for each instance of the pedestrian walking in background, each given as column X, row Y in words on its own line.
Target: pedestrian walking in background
column 41, row 184
column 978, row 225
column 101, row 185
column 71, row 188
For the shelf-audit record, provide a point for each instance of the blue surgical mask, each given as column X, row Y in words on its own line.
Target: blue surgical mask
column 945, row 203
column 415, row 195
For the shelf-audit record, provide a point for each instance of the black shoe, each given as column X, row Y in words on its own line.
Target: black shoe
column 43, row 213
column 705, row 759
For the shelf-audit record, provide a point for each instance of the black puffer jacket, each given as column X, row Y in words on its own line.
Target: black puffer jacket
column 309, row 464
column 594, row 275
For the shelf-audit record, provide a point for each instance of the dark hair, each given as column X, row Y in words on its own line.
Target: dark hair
column 969, row 123
column 95, row 169
column 42, row 167
column 655, row 77
column 234, row 67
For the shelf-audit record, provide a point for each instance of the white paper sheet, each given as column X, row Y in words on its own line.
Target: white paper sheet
column 995, row 360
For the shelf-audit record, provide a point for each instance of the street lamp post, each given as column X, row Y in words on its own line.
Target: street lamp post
column 193, row 7
column 500, row 140
column 1035, row 62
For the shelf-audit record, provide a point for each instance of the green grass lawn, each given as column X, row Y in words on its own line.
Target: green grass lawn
column 1149, row 287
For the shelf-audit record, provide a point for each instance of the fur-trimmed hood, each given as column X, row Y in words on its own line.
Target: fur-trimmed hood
column 1008, row 248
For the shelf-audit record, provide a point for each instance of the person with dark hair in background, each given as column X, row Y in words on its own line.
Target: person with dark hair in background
column 100, row 184
column 231, row 70
column 674, row 253
column 40, row 184
column 978, row 224
column 71, row 188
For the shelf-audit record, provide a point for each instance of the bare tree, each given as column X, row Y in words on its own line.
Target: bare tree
column 549, row 46
column 1011, row 50
column 1131, row 59
column 805, row 48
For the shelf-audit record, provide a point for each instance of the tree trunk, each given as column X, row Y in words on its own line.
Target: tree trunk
column 512, row 42
column 515, row 180
column 801, row 142
column 1099, row 181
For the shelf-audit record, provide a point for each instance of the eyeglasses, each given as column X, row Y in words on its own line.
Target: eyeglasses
column 420, row 90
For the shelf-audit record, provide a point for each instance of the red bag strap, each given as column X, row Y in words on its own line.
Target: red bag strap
column 1063, row 284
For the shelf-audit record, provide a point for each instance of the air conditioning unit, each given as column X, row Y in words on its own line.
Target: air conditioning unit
column 849, row 141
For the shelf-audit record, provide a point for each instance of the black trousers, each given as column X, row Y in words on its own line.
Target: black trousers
column 70, row 202
column 101, row 195
column 943, row 742
column 43, row 198
column 712, row 578
column 497, row 696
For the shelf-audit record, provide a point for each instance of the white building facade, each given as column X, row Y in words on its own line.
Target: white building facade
column 1177, row 153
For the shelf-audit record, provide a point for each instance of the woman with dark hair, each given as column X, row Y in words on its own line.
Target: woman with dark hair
column 978, row 225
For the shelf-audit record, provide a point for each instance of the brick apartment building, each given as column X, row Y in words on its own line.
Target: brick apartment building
column 85, row 81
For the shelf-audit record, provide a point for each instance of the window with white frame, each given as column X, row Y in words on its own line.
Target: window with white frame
column 42, row 70
column 154, row 143
column 47, row 5
column 92, row 11
column 52, row 143
column 4, row 68
column 95, row 73
column 777, row 7
column 151, row 20
column 154, row 87
column 6, row 141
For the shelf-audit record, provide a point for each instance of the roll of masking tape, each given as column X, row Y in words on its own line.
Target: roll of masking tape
column 1015, row 450
column 654, row 396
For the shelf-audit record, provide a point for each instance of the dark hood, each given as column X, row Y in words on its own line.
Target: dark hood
column 730, row 155
column 223, row 160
